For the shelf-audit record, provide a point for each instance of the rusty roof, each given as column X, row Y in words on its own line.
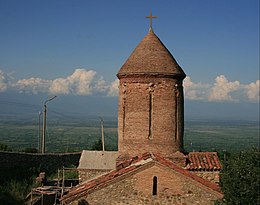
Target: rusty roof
column 128, row 168
column 151, row 57
column 203, row 161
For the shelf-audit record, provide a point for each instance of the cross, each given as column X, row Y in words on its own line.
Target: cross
column 151, row 17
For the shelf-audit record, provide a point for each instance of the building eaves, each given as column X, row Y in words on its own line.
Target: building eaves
column 130, row 167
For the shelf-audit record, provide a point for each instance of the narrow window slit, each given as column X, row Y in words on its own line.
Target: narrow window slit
column 150, row 136
column 154, row 185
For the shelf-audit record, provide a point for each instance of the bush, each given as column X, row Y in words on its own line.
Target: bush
column 3, row 147
column 31, row 150
column 97, row 145
column 14, row 192
column 240, row 178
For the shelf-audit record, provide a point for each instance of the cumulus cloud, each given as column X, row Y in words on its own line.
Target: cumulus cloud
column 59, row 86
column 32, row 85
column 3, row 81
column 222, row 89
column 81, row 82
column 195, row 91
column 87, row 82
column 101, row 85
column 113, row 88
column 252, row 91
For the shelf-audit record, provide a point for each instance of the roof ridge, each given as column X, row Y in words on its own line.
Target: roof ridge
column 130, row 166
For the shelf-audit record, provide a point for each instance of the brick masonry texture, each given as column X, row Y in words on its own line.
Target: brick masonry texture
column 210, row 176
column 87, row 174
column 151, row 121
column 173, row 188
column 134, row 112
column 150, row 108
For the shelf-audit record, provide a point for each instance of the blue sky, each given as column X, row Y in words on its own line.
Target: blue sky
column 74, row 49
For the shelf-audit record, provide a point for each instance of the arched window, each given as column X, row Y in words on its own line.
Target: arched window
column 154, row 185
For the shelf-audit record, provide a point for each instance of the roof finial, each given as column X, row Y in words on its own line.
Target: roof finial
column 151, row 17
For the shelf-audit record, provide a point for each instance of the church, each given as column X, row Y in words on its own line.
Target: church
column 150, row 166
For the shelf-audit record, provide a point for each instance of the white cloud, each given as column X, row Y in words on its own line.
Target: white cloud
column 195, row 91
column 113, row 88
column 59, row 86
column 222, row 89
column 252, row 91
column 88, row 82
column 3, row 81
column 101, row 85
column 81, row 82
column 32, row 85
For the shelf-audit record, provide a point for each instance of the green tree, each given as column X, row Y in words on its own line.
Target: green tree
column 240, row 178
column 97, row 145
column 3, row 147
column 13, row 192
column 31, row 150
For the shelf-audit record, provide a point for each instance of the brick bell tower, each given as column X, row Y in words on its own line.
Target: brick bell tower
column 151, row 103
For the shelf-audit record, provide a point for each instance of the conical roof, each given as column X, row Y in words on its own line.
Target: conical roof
column 151, row 57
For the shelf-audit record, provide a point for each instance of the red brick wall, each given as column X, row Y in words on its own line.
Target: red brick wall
column 172, row 188
column 133, row 116
column 168, row 181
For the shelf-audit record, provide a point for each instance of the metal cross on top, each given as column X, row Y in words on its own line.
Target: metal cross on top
column 151, row 17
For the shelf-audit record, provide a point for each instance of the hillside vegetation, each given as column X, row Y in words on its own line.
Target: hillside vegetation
column 76, row 134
